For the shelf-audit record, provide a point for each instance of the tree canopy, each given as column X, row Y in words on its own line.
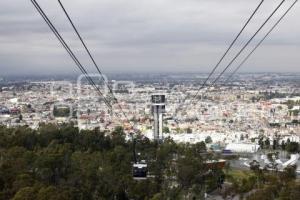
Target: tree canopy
column 61, row 162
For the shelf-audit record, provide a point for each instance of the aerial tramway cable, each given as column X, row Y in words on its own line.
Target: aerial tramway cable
column 230, row 46
column 67, row 48
column 261, row 41
column 140, row 170
column 246, row 45
column 92, row 58
column 223, row 56
column 248, row 42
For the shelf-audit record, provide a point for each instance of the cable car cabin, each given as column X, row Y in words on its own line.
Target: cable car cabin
column 140, row 170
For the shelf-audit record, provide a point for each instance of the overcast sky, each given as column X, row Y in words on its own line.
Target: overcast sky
column 144, row 35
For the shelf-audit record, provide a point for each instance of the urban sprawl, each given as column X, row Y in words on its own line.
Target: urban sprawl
column 240, row 117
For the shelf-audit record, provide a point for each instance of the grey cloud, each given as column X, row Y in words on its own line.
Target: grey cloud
column 142, row 35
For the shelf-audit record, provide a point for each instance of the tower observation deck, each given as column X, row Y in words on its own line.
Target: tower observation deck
column 158, row 109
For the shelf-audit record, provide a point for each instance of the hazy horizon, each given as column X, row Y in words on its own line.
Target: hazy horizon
column 137, row 74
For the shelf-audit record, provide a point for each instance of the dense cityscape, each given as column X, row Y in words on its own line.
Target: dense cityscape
column 253, row 120
column 269, row 105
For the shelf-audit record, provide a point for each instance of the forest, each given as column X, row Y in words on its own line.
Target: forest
column 61, row 163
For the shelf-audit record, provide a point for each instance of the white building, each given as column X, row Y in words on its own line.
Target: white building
column 242, row 147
